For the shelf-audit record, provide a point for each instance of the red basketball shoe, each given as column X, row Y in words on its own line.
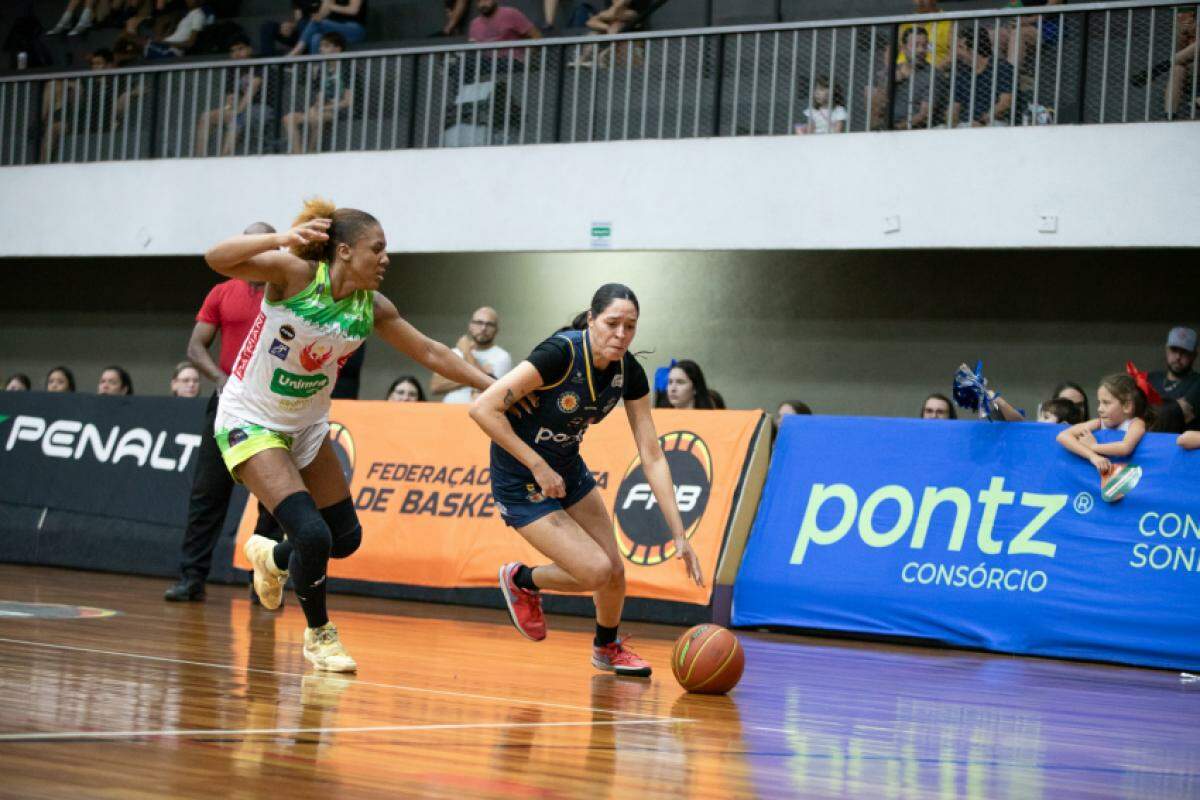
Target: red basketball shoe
column 524, row 607
column 618, row 658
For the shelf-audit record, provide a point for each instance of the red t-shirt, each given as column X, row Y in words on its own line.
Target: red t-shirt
column 506, row 24
column 232, row 306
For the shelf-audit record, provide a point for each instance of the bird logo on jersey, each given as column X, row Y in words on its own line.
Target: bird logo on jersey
column 313, row 358
column 568, row 402
column 534, row 495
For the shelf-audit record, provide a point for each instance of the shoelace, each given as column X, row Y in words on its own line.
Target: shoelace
column 619, row 651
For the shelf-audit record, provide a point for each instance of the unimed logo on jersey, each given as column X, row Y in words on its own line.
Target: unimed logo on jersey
column 343, row 446
column 638, row 524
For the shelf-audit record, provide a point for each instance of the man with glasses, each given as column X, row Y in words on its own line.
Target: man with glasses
column 479, row 349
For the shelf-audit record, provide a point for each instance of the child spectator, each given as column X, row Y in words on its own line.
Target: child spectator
column 1059, row 411
column 347, row 18
column 825, row 112
column 60, row 379
column 242, row 111
column 1123, row 405
column 405, row 389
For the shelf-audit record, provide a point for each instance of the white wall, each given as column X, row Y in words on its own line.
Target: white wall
column 1108, row 185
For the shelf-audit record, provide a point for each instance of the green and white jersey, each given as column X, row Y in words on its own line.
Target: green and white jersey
column 287, row 367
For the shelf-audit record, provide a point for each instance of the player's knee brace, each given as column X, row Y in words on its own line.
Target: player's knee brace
column 306, row 529
column 343, row 524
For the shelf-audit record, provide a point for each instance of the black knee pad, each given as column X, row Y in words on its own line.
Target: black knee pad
column 306, row 529
column 343, row 524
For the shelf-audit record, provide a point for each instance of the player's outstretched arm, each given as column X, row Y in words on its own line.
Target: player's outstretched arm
column 658, row 475
column 260, row 257
column 432, row 355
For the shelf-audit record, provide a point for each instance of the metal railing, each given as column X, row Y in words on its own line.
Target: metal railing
column 1098, row 63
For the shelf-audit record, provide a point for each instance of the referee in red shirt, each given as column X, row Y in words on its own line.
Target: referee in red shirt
column 230, row 309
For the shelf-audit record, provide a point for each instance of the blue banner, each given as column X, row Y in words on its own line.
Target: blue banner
column 975, row 534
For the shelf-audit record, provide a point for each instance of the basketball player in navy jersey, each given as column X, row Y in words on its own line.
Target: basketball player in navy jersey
column 545, row 491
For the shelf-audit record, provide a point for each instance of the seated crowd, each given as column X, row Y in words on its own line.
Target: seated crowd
column 1165, row 400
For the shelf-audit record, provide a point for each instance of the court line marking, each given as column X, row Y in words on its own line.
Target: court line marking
column 448, row 726
column 355, row 681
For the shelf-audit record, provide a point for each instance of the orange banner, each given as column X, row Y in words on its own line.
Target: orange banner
column 420, row 480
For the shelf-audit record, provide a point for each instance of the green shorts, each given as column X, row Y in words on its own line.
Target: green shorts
column 239, row 440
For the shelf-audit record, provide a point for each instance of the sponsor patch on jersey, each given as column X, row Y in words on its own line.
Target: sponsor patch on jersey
column 610, row 405
column 236, row 437
column 290, row 384
column 534, row 493
column 287, row 332
column 568, row 402
column 618, row 381
column 577, row 377
column 279, row 350
column 314, row 356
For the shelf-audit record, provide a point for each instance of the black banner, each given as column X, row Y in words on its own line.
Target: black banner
column 130, row 458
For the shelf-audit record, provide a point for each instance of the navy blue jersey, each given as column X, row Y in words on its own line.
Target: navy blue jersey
column 574, row 395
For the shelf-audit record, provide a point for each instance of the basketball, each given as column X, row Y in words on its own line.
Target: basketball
column 708, row 659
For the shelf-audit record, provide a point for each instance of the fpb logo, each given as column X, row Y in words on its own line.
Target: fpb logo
column 343, row 446
column 638, row 524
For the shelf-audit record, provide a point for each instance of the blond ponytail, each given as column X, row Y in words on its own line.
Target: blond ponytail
column 314, row 208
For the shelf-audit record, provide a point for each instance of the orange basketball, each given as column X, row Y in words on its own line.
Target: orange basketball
column 708, row 660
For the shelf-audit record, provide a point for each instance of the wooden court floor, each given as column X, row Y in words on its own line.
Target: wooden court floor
column 214, row 700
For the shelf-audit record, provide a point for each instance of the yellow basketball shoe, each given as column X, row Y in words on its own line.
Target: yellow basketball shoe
column 324, row 650
column 268, row 578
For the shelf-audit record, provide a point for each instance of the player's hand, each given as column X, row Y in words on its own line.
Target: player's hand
column 1102, row 465
column 692, row 561
column 549, row 481
column 315, row 230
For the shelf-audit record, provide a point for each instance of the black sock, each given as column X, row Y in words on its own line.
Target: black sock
column 310, row 541
column 282, row 555
column 605, row 636
column 524, row 579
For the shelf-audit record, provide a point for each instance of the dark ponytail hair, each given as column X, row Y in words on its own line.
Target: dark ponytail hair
column 1126, row 390
column 604, row 297
column 1084, row 407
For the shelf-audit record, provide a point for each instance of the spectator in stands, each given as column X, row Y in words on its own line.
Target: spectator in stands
column 114, row 380
column 18, row 382
column 825, row 112
column 618, row 17
column 1123, row 407
column 479, row 349
column 61, row 97
column 405, row 389
column 789, row 407
column 687, row 388
column 938, row 406
column 1180, row 91
column 456, row 15
column 242, row 111
column 347, row 18
column 1059, row 411
column 1178, row 385
column 86, row 18
column 60, row 379
column 497, row 23
column 286, row 33
column 980, row 78
column 1069, row 390
column 912, row 85
column 331, row 88
column 185, row 382
column 938, row 34
column 184, row 36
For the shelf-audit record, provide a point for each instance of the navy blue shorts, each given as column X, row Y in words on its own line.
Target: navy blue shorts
column 520, row 500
